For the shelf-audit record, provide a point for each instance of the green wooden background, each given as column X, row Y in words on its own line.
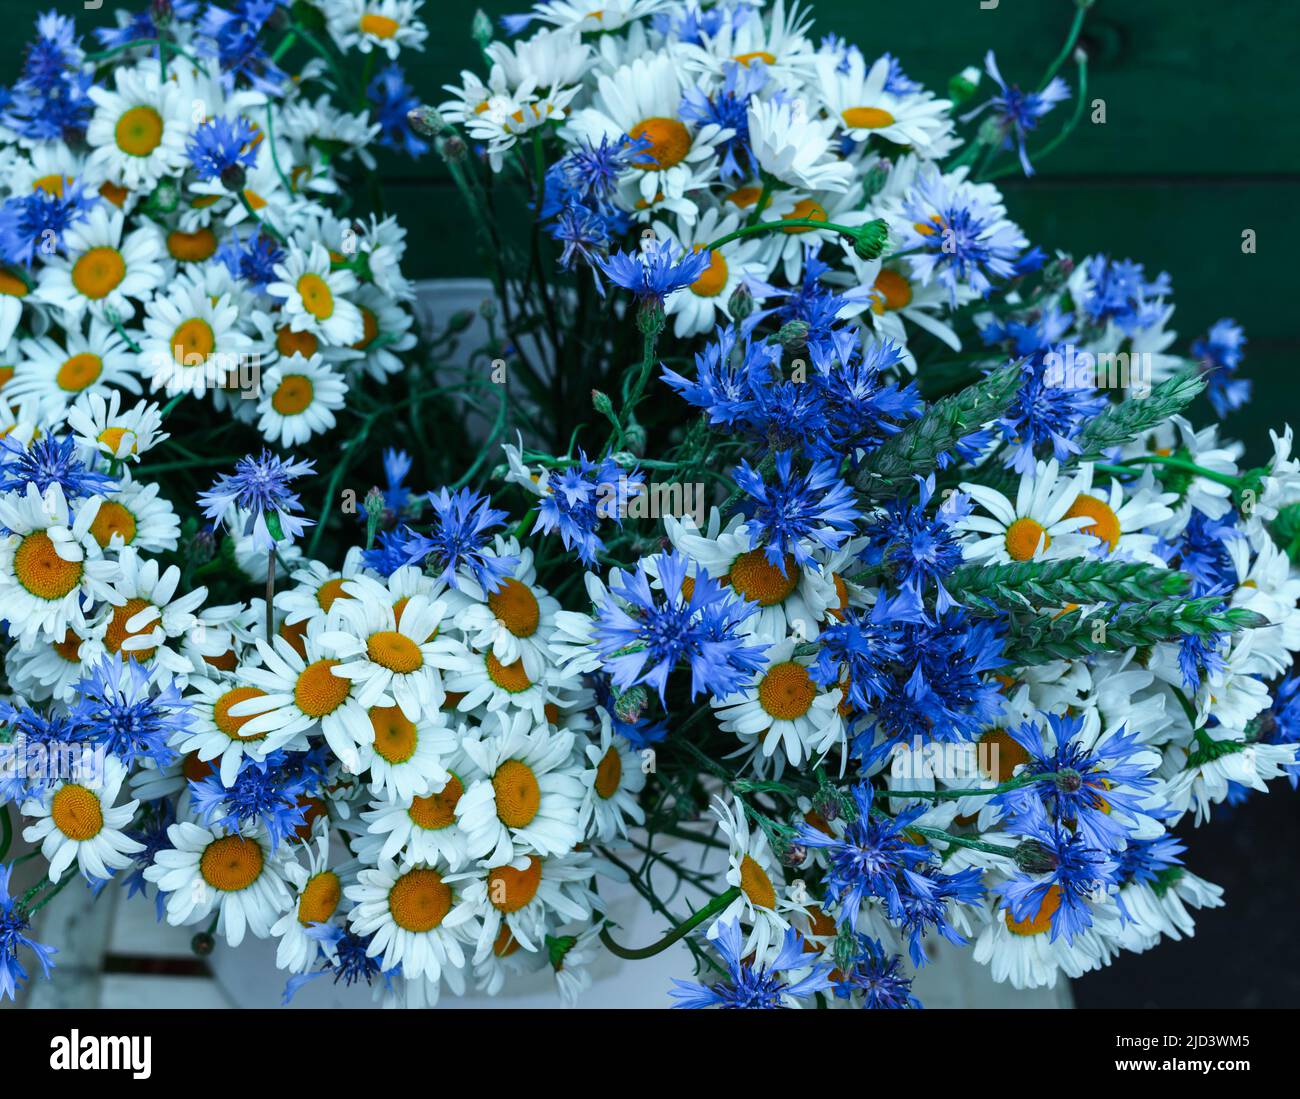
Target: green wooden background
column 1201, row 142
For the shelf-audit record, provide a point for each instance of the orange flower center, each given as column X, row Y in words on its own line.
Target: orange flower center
column 192, row 247
column 117, row 634
column 293, row 395
column 395, row 737
column 79, row 371
column 510, row 889
column 509, row 677
column 998, row 755
column 1041, row 921
column 609, row 773
column 317, row 298
column 231, row 863
column 320, row 898
column 319, row 691
column 1023, row 537
column 192, row 342
column 866, row 118
column 892, row 292
column 761, row 582
column 786, row 691
column 1105, row 523
column 714, row 280
column 77, row 813
column 419, row 900
column 97, row 273
column 378, row 25
column 518, row 796
column 139, row 131
column 516, row 608
column 806, row 209
column 289, row 342
column 669, row 140
column 42, row 571
column 112, row 518
column 756, row 885
column 227, row 722
column 437, row 811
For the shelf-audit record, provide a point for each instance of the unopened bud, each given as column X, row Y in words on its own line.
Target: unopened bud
column 964, row 85
column 1033, row 858
column 165, row 197
column 741, row 302
column 160, row 13
column 203, row 547
column 795, row 855
column 460, row 320
column 869, row 240
column 453, row 149
column 630, row 705
column 480, row 29
column 202, row 944
column 426, row 121
column 601, row 403
column 233, row 177
column 792, row 334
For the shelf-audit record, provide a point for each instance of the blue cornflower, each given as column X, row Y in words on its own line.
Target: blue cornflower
column 898, row 82
column 721, row 387
column 1016, row 113
column 14, row 924
column 750, row 986
column 51, row 100
column 271, row 792
column 1280, row 724
column 660, row 629
column 349, row 960
column 1202, row 552
column 35, row 739
column 151, row 832
column 637, row 729
column 876, row 976
column 1045, row 414
column 47, row 461
column 878, row 857
column 392, row 100
column 131, row 716
column 1099, row 789
column 728, row 108
column 1118, row 291
column 584, row 234
column 861, row 409
column 140, row 26
column 1200, row 656
column 1080, row 874
column 580, row 496
column 234, row 39
column 222, row 148
column 1151, row 862
column 862, row 647
column 459, row 540
column 397, row 466
column 1219, row 356
column 690, row 23
column 393, row 550
column 36, row 222
column 589, row 173
column 658, row 270
column 260, row 486
column 253, row 260
column 795, row 512
column 965, row 240
column 918, row 548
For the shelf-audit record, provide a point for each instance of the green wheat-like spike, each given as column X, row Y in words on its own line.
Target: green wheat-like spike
column 1037, row 639
column 916, row 449
column 1123, row 422
column 1055, row 583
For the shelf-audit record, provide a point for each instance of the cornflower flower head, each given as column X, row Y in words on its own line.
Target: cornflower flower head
column 222, row 148
column 261, row 487
column 658, row 630
column 460, row 539
column 392, row 99
column 234, row 38
column 580, row 496
column 656, row 271
column 875, row 975
column 1120, row 292
column 14, row 925
column 753, row 987
column 271, row 792
column 1219, row 355
column 46, row 461
column 1016, row 112
column 121, row 707
column 35, row 223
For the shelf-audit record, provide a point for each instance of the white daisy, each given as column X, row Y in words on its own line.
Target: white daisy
column 313, row 296
column 696, row 308
column 857, row 99
column 139, row 129
column 237, row 873
column 317, row 898
column 299, row 399
column 409, row 756
column 193, row 341
column 515, row 622
column 136, row 515
column 87, row 364
column 421, row 828
column 1038, row 527
column 101, row 425
column 795, row 149
column 77, row 822
column 530, row 794
column 612, row 784
column 388, row 25
column 753, row 869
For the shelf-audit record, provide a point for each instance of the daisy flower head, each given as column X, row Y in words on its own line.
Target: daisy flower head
column 530, row 793
column 51, row 566
column 388, row 25
column 140, row 126
column 76, row 821
column 418, row 918
column 87, row 363
column 303, row 693
column 574, row 16
column 1040, row 525
column 421, row 828
column 101, row 425
column 259, row 488
column 135, row 514
column 784, row 708
column 695, row 311
column 795, row 149
column 613, row 779
column 314, row 299
column 299, row 399
column 318, row 899
column 861, row 103
column 752, row 869
column 515, row 622
column 240, row 874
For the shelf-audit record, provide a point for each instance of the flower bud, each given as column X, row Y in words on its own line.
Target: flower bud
column 480, row 29
column 964, row 85
column 630, row 705
column 741, row 302
column 869, row 240
column 426, row 121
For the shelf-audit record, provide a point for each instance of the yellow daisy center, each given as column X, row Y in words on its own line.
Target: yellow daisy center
column 1041, row 921
column 510, row 889
column 518, row 796
column 745, row 197
column 224, row 720
column 369, row 329
column 394, row 651
column 509, row 677
column 506, row 943
column 319, row 691
column 515, row 607
column 317, row 298
column 41, row 570
column 112, row 518
column 609, row 773
column 139, row 131
column 329, row 591
column 112, row 438
column 192, row 247
column 761, row 582
column 866, row 118
column 756, row 885
column 756, row 55
column 419, row 900
column 1105, row 523
column 116, row 635
column 78, row 372
column 288, row 342
column 395, row 737
column 77, row 813
column 193, row 341
column 999, row 755
column 293, row 395
column 1023, row 537
column 97, row 272
column 437, row 811
column 378, row 25
column 892, row 292
column 320, row 898
column 714, row 280
column 231, row 863
column 12, row 286
column 114, row 193
column 786, row 691
column 69, row 648
column 806, row 209
column 669, row 140
column 51, row 185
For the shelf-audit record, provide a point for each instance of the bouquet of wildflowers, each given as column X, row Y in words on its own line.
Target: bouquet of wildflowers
column 799, row 536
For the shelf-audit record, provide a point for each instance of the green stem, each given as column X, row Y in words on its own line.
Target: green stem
column 784, row 223
column 992, row 791
column 948, row 837
column 269, row 229
column 67, row 877
column 1066, row 130
column 285, row 43
column 1068, row 48
column 680, row 931
column 761, row 204
column 6, row 831
column 1172, row 462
